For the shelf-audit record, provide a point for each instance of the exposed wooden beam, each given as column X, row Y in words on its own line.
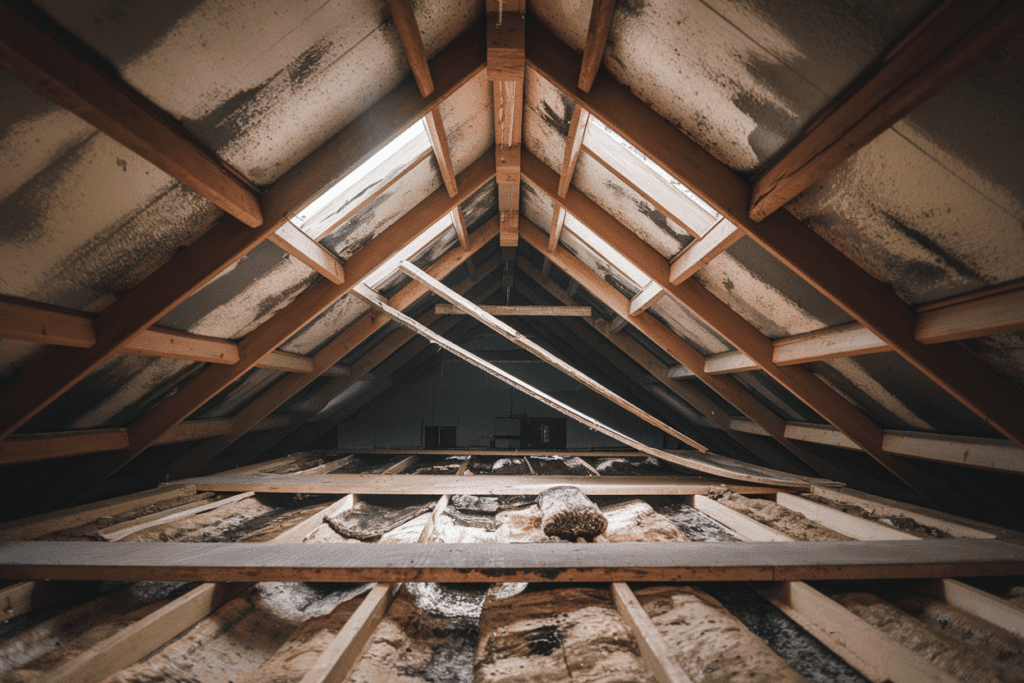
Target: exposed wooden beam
column 999, row 455
column 59, row 66
column 506, row 68
column 708, row 463
column 656, row 653
column 573, row 146
column 271, row 399
column 439, row 142
column 806, row 386
column 229, row 240
column 674, row 346
column 545, row 311
column 43, row 324
column 633, row 350
column 981, row 314
column 148, row 634
column 633, row 172
column 459, row 221
column 702, row 251
column 491, row 485
column 116, row 532
column 312, row 253
column 942, row 45
column 508, row 229
column 860, row 644
column 645, row 299
column 508, row 562
column 551, row 359
column 866, row 299
column 382, row 360
column 40, row 525
column 343, row 651
column 279, row 328
column 412, row 41
column 555, row 234
column 55, row 445
column 597, row 36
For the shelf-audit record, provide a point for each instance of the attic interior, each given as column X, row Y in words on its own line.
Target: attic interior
column 481, row 290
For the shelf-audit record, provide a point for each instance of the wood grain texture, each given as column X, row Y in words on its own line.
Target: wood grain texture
column 55, row 64
column 275, row 396
column 867, row 300
column 543, row 311
column 492, row 485
column 515, row 562
column 409, row 33
column 521, row 340
column 944, row 44
column 230, row 239
column 673, row 345
column 267, row 337
column 735, row 329
column 597, row 36
column 312, row 253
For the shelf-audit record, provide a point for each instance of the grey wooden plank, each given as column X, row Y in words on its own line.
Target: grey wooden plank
column 509, row 562
column 439, row 484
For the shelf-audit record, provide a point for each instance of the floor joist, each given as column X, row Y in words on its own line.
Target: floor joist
column 491, row 485
column 508, row 562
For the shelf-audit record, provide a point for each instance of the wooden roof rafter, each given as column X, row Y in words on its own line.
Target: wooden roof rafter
column 947, row 41
column 676, row 347
column 264, row 405
column 635, row 352
column 228, row 240
column 59, row 66
column 737, row 331
column 788, row 239
column 274, row 332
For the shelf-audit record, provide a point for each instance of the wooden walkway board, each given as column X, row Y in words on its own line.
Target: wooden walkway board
column 508, row 562
column 492, row 485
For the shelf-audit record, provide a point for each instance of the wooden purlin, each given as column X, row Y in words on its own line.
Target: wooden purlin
column 59, row 66
column 391, row 352
column 508, row 333
column 509, row 562
column 271, row 399
column 744, row 336
column 271, row 334
column 40, row 323
column 599, row 337
column 213, row 252
column 597, row 36
column 941, row 46
column 866, row 299
column 999, row 455
column 506, row 69
column 676, row 347
column 708, row 463
column 991, row 310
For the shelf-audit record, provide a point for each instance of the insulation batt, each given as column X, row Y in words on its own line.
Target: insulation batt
column 568, row 514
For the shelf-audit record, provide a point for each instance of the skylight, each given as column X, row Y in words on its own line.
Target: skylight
column 662, row 173
column 606, row 251
column 365, row 168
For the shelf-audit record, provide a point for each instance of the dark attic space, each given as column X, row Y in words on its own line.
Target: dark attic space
column 489, row 341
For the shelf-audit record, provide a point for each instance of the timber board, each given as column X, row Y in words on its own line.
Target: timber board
column 508, row 562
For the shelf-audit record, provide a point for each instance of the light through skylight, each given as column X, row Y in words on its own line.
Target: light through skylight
column 388, row 268
column 359, row 173
column 606, row 251
column 672, row 182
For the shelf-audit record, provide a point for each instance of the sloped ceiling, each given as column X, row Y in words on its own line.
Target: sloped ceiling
column 932, row 208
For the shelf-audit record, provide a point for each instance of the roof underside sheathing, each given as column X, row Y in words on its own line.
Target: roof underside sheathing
column 934, row 207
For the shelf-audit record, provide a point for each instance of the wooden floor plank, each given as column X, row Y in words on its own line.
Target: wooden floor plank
column 438, row 484
column 508, row 562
